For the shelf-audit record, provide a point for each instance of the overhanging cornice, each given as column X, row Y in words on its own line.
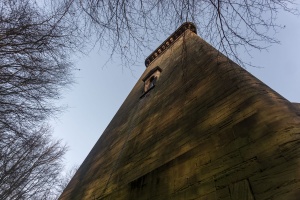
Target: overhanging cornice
column 169, row 41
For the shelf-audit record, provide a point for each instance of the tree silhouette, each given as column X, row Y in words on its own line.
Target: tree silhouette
column 30, row 165
column 34, row 63
column 34, row 66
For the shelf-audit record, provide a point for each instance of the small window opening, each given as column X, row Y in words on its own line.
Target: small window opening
column 150, row 83
column 151, row 79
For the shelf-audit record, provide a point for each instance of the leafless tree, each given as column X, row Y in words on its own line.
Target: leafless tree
column 34, row 62
column 30, row 165
column 35, row 44
column 128, row 27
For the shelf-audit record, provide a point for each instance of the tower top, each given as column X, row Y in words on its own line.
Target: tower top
column 169, row 41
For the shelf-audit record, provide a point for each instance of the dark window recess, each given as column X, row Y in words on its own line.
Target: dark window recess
column 150, row 80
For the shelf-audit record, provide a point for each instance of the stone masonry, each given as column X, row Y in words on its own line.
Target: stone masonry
column 208, row 129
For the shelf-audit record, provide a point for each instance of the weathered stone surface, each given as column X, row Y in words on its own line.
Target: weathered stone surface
column 207, row 130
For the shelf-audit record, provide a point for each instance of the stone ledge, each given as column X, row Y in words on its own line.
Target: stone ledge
column 169, row 41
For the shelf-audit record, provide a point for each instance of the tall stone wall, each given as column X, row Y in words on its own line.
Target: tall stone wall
column 207, row 130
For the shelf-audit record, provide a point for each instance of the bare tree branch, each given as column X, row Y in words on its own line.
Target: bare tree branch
column 129, row 27
column 30, row 165
column 34, row 63
column 35, row 44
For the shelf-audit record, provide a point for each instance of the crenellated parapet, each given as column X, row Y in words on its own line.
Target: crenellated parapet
column 169, row 41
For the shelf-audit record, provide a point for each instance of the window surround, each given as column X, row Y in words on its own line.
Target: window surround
column 150, row 80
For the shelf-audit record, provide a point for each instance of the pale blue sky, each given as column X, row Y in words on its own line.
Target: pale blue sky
column 100, row 91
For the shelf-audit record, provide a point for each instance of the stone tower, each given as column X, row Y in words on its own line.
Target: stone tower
column 195, row 126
